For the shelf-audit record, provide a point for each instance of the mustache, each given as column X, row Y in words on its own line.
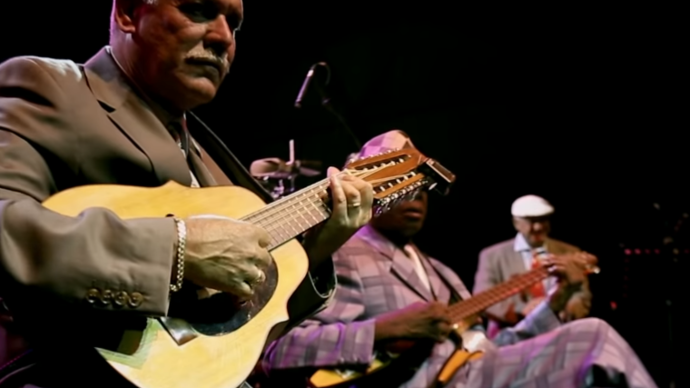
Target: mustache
column 221, row 61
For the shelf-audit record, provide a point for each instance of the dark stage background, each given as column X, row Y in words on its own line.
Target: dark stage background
column 586, row 107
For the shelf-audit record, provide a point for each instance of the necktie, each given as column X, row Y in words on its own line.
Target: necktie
column 419, row 268
column 181, row 134
column 537, row 290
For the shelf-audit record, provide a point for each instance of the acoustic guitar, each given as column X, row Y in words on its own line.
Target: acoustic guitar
column 397, row 357
column 221, row 349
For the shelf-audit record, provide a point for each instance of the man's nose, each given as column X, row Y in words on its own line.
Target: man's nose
column 220, row 33
column 537, row 227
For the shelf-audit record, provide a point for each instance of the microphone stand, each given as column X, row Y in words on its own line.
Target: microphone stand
column 326, row 104
column 291, row 164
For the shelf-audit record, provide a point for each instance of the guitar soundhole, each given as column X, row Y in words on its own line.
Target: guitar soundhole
column 221, row 313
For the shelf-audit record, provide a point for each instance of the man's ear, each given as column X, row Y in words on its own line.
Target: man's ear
column 124, row 15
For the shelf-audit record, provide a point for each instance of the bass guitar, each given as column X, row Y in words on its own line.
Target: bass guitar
column 221, row 350
column 398, row 355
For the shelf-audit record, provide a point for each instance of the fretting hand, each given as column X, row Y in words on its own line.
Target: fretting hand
column 351, row 201
column 419, row 320
column 571, row 270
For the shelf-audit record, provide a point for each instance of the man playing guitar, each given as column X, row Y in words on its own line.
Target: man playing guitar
column 124, row 118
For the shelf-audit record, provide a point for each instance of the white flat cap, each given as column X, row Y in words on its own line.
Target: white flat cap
column 531, row 206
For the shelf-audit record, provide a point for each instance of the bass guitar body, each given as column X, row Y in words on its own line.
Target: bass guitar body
column 407, row 356
column 176, row 353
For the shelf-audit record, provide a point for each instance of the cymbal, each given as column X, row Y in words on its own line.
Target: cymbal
column 278, row 168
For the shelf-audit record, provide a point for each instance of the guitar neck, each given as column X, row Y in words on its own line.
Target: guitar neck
column 394, row 176
column 485, row 299
column 293, row 215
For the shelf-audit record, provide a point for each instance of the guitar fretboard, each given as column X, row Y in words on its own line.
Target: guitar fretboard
column 293, row 215
column 485, row 299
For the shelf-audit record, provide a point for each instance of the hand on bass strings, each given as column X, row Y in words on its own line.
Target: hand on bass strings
column 419, row 320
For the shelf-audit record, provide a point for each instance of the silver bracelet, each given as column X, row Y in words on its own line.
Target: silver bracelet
column 179, row 256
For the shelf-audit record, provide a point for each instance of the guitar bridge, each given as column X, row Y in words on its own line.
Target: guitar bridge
column 180, row 331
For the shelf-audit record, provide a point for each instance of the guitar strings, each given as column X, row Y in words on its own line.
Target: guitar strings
column 279, row 205
column 287, row 210
column 320, row 185
column 482, row 300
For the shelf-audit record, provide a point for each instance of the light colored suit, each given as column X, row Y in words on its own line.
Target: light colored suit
column 375, row 277
column 63, row 125
column 497, row 264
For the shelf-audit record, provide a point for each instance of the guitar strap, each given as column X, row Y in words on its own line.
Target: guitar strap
column 223, row 158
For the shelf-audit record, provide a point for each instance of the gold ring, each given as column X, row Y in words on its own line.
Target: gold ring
column 354, row 205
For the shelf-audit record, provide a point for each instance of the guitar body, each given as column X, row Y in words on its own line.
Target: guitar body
column 221, row 355
column 340, row 378
column 379, row 372
column 215, row 342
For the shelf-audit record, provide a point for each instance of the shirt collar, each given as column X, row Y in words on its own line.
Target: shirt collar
column 369, row 234
column 521, row 244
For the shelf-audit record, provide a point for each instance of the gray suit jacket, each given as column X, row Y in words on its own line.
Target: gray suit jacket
column 64, row 125
column 500, row 262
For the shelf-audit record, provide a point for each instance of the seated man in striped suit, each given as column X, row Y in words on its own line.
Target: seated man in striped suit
column 388, row 289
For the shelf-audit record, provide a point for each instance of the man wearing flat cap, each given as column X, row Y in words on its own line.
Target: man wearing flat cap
column 389, row 289
column 499, row 262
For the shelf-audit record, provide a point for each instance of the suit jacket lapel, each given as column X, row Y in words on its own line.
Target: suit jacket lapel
column 212, row 168
column 203, row 175
column 402, row 266
column 211, row 146
column 437, row 286
column 514, row 264
column 444, row 273
column 133, row 117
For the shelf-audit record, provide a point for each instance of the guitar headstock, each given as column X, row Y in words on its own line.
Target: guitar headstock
column 399, row 175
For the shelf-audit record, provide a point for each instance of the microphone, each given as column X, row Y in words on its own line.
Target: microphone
column 307, row 81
